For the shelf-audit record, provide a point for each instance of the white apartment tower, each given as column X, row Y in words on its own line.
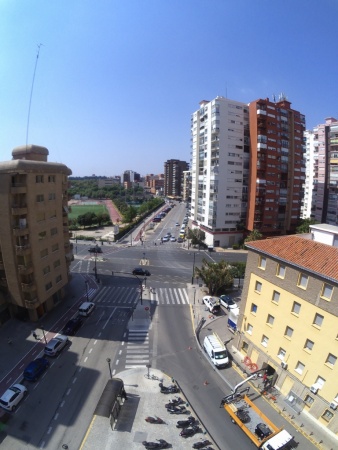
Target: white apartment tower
column 311, row 139
column 220, row 170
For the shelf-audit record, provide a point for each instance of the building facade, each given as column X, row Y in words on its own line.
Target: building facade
column 219, row 170
column 289, row 320
column 277, row 167
column 173, row 177
column 309, row 157
column 35, row 251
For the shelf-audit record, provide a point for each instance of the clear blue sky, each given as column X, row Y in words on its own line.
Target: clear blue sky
column 117, row 80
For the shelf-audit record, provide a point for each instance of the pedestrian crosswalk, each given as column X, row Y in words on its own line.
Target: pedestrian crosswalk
column 126, row 296
column 137, row 351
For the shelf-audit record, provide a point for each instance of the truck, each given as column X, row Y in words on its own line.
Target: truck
column 216, row 350
column 262, row 432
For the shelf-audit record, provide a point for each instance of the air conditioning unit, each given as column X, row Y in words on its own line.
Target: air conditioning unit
column 333, row 405
column 284, row 365
column 314, row 389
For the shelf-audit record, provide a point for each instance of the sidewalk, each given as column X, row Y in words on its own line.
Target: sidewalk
column 307, row 428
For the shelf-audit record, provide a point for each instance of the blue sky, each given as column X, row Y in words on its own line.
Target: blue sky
column 117, row 80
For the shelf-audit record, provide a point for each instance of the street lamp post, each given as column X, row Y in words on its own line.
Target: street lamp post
column 109, row 361
column 43, row 332
column 193, row 270
column 86, row 284
column 95, row 268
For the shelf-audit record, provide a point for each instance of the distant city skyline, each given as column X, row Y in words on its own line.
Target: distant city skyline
column 116, row 84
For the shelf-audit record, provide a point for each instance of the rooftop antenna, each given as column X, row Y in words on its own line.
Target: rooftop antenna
column 30, row 98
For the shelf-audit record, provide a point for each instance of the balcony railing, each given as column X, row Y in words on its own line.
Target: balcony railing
column 25, row 269
column 28, row 287
column 19, row 210
column 23, row 249
column 20, row 231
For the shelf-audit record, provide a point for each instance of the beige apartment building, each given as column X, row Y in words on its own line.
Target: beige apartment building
column 35, row 251
column 289, row 320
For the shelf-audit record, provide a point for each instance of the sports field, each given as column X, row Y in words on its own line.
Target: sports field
column 78, row 210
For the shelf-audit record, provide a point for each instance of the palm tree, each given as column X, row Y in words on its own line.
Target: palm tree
column 255, row 235
column 216, row 276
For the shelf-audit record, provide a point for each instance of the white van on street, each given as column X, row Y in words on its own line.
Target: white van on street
column 216, row 350
column 86, row 308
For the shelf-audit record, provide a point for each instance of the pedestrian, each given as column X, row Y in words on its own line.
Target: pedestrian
column 35, row 336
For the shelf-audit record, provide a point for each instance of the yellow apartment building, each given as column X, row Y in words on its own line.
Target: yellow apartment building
column 289, row 321
column 35, row 251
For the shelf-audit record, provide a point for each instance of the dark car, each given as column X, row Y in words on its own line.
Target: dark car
column 140, row 271
column 180, row 240
column 95, row 249
column 72, row 326
column 35, row 369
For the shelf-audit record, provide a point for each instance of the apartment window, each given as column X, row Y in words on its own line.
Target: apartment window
column 270, row 320
column 40, row 216
column 331, row 360
column 51, row 178
column 53, row 231
column 46, row 270
column 40, row 198
column 258, row 286
column 51, row 196
column 56, row 264
column 262, row 263
column 253, row 308
column 318, row 320
column 265, row 341
column 309, row 400
column 280, row 271
column 281, row 353
column 275, row 296
column 320, row 382
column 327, row 415
column 58, row 278
column 249, row 328
column 44, row 253
column 288, row 332
column 42, row 235
column 296, row 308
column 245, row 347
column 327, row 291
column 302, row 281
column 300, row 367
column 48, row 286
column 39, row 178
column 52, row 214
column 55, row 248
column 308, row 345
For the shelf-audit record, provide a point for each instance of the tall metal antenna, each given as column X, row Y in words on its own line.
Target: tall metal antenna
column 30, row 98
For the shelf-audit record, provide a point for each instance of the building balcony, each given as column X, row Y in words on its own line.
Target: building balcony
column 20, row 231
column 19, row 210
column 25, row 269
column 261, row 145
column 28, row 287
column 22, row 250
column 261, row 112
column 18, row 188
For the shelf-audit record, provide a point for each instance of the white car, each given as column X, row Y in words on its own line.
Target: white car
column 87, row 307
column 228, row 302
column 13, row 396
column 172, row 239
column 212, row 303
column 55, row 345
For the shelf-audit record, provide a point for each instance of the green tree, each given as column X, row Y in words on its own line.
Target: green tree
column 304, row 226
column 255, row 235
column 216, row 276
column 197, row 237
column 238, row 270
column 130, row 214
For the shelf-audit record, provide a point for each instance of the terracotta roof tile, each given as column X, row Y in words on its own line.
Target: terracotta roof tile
column 305, row 253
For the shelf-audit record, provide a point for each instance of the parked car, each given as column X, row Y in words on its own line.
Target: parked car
column 96, row 249
column 212, row 303
column 13, row 396
column 55, row 345
column 35, row 369
column 86, row 308
column 180, row 240
column 72, row 326
column 140, row 271
column 173, row 239
column 228, row 302
column 165, row 238
column 177, row 224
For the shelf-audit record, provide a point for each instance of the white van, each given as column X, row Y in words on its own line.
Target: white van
column 216, row 350
column 86, row 308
